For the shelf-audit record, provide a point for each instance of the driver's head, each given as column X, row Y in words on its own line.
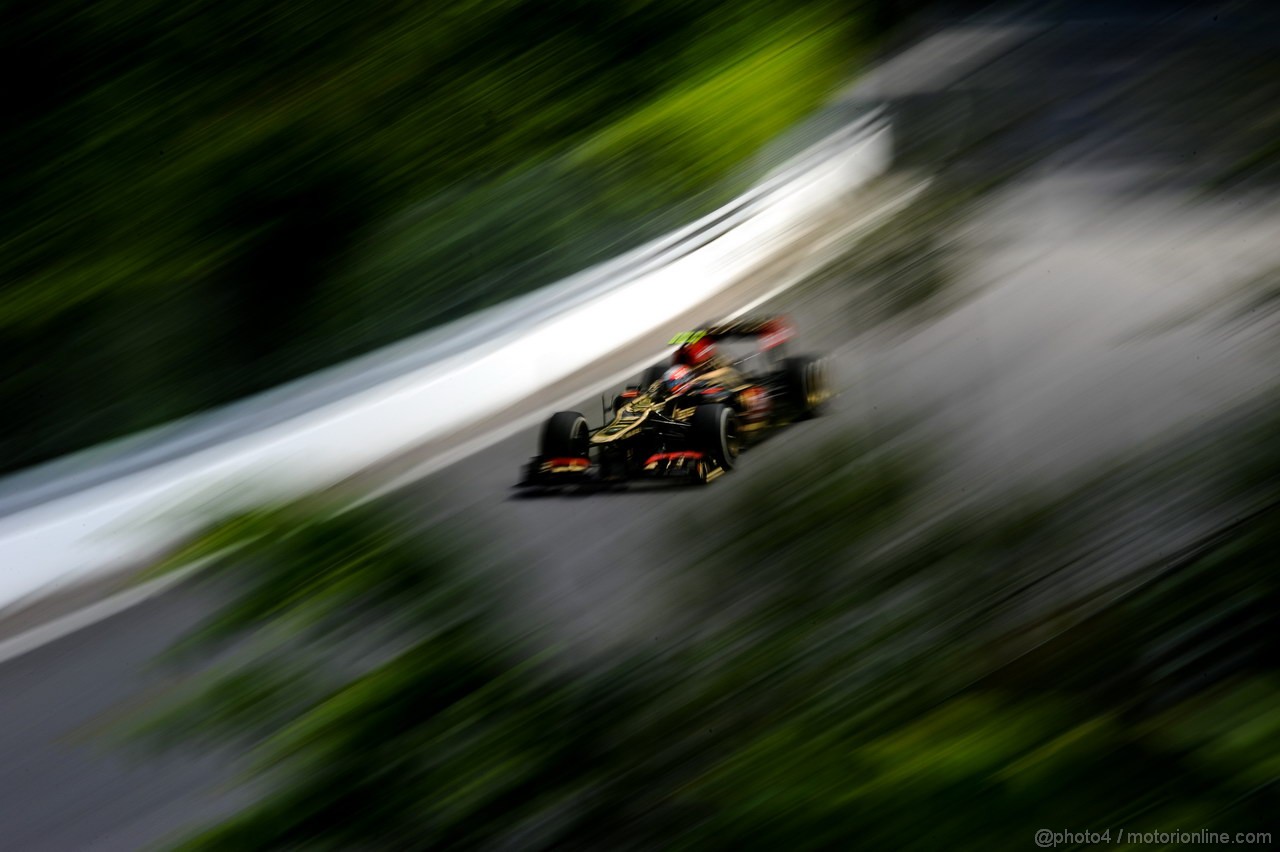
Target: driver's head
column 696, row 354
column 673, row 382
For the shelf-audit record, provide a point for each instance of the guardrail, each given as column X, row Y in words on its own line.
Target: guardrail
column 60, row 523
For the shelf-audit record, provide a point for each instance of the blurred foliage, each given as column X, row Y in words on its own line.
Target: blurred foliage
column 203, row 201
column 853, row 673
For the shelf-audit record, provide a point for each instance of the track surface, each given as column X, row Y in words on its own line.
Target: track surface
column 1056, row 343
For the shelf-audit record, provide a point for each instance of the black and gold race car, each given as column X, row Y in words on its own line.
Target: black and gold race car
column 728, row 385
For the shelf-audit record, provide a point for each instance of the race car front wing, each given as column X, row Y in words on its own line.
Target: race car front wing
column 553, row 471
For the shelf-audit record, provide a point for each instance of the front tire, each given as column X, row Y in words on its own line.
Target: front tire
column 565, row 435
column 715, row 434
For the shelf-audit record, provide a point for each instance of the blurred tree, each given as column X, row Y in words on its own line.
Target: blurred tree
column 201, row 201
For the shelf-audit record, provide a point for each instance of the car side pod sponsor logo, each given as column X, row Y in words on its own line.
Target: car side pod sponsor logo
column 755, row 403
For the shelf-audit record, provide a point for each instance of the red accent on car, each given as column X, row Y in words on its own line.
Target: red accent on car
column 657, row 457
column 712, row 390
column 630, row 394
column 774, row 333
column 695, row 354
column 568, row 462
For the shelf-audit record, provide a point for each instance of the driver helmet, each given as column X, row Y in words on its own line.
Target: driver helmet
column 673, row 382
column 696, row 354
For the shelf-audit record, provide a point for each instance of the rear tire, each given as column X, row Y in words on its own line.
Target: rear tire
column 565, row 435
column 807, row 386
column 715, row 434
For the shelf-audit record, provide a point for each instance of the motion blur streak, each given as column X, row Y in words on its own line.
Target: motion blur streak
column 1022, row 574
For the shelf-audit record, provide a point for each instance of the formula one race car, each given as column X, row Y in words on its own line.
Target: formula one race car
column 728, row 385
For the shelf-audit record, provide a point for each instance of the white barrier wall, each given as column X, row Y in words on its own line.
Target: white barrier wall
column 111, row 523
